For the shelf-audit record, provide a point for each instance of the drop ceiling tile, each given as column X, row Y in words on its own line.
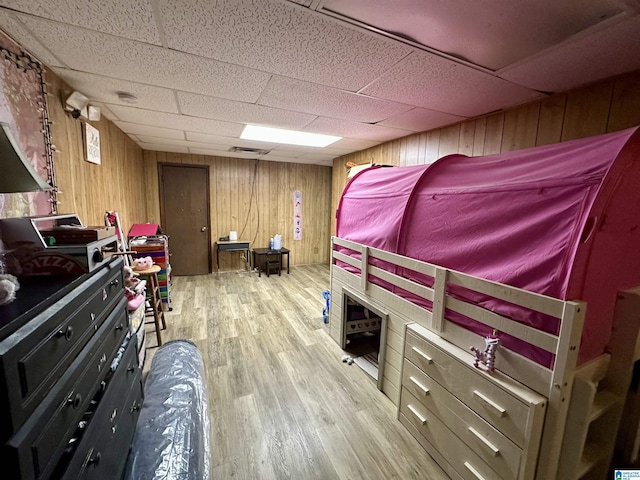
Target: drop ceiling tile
column 492, row 34
column 129, row 60
column 122, row 18
column 301, row 150
column 240, row 112
column 421, row 120
column 137, row 129
column 282, row 38
column 227, row 141
column 158, row 147
column 104, row 89
column 435, row 83
column 317, row 99
column 280, row 152
column 355, row 144
column 586, row 59
column 345, row 128
column 180, row 122
column 177, row 142
column 9, row 23
column 222, row 153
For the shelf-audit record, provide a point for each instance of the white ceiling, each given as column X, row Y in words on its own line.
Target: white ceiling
column 367, row 70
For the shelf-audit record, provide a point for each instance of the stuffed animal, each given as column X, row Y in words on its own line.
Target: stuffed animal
column 486, row 357
column 8, row 287
column 130, row 279
column 142, row 263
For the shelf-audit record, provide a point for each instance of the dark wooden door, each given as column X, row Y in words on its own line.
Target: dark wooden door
column 184, row 205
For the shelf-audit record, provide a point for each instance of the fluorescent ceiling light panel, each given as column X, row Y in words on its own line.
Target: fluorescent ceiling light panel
column 290, row 137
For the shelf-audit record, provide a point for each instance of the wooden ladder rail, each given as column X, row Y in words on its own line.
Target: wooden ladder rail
column 598, row 396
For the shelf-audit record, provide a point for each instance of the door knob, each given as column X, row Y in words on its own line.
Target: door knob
column 203, row 229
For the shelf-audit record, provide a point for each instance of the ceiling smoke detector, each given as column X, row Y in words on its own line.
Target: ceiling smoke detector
column 256, row 151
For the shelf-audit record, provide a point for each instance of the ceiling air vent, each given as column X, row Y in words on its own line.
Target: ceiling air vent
column 256, row 151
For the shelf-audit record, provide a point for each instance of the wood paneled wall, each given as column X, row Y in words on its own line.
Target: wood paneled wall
column 268, row 212
column 606, row 106
column 90, row 190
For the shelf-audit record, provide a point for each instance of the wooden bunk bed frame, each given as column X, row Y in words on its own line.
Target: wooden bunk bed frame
column 576, row 410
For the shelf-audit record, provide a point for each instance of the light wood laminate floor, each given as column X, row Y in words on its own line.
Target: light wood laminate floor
column 282, row 403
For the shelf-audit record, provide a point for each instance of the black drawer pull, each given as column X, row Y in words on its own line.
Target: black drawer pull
column 131, row 369
column 74, row 401
column 119, row 327
column 114, row 283
column 67, row 333
column 95, row 461
column 135, row 407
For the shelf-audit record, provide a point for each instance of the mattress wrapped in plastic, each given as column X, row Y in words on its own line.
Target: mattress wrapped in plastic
column 172, row 434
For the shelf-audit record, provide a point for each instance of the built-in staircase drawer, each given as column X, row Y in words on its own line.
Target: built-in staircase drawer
column 500, row 453
column 465, row 461
column 504, row 411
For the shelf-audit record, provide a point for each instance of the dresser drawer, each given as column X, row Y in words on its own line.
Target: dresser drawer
column 464, row 460
column 107, row 440
column 40, row 442
column 504, row 411
column 35, row 356
column 500, row 453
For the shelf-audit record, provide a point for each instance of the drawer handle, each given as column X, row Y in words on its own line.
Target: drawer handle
column 423, row 355
column 67, row 333
column 473, row 471
column 119, row 327
column 131, row 369
column 135, row 407
column 423, row 420
column 74, row 400
column 494, row 450
column 101, row 361
column 95, row 461
column 114, row 283
column 424, row 389
column 490, row 402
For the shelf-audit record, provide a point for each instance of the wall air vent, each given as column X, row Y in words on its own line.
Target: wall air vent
column 256, row 151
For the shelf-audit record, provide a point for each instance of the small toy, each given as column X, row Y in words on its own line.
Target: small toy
column 9, row 285
column 130, row 279
column 142, row 263
column 487, row 356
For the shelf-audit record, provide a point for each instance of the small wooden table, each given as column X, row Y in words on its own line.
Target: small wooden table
column 262, row 257
column 232, row 246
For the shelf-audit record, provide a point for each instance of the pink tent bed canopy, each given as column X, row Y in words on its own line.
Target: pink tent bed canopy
column 560, row 220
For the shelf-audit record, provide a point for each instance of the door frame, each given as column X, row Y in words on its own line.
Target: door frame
column 208, row 195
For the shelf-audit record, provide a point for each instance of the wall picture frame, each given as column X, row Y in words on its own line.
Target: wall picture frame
column 92, row 144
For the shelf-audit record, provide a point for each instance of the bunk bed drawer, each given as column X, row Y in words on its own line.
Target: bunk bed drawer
column 464, row 460
column 504, row 411
column 500, row 453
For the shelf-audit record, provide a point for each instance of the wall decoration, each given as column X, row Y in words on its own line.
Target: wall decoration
column 297, row 215
column 92, row 144
column 23, row 107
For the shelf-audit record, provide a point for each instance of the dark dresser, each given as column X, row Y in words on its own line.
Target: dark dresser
column 70, row 383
